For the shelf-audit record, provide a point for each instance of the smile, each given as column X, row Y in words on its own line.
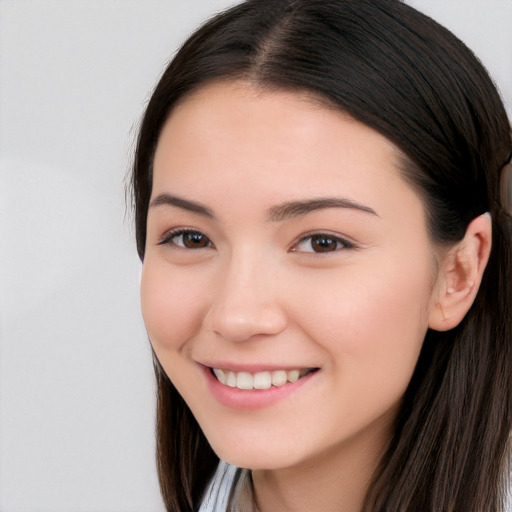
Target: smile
column 260, row 380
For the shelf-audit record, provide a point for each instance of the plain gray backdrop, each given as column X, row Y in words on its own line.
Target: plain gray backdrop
column 76, row 382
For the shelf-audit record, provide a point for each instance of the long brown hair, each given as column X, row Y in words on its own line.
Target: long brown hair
column 402, row 74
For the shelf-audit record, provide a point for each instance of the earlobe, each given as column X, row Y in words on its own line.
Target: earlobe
column 460, row 274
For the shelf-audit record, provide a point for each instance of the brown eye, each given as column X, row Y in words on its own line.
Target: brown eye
column 322, row 243
column 192, row 240
column 187, row 239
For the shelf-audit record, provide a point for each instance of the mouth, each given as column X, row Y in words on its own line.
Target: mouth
column 260, row 380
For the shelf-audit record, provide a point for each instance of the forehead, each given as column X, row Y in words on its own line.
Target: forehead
column 234, row 140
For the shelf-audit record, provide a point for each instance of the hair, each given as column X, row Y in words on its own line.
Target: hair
column 405, row 76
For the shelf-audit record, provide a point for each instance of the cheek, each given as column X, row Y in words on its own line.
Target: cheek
column 171, row 304
column 372, row 324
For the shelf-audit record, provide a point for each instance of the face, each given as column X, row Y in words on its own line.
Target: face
column 288, row 275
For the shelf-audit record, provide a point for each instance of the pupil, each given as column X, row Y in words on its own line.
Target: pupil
column 323, row 244
column 194, row 240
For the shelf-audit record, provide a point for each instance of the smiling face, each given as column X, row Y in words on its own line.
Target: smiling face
column 284, row 252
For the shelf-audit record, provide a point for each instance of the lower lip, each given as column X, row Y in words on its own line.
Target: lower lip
column 252, row 398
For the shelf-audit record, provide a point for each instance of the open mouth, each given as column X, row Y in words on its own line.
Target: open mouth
column 260, row 380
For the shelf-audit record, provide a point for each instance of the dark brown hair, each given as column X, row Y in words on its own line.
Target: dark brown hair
column 402, row 74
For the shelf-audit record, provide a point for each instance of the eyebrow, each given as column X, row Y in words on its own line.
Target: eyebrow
column 291, row 209
column 185, row 204
column 277, row 213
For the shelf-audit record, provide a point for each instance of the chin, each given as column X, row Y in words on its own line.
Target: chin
column 254, row 462
column 256, row 455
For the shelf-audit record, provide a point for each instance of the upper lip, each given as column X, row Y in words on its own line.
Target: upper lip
column 254, row 367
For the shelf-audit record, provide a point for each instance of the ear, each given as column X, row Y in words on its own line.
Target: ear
column 460, row 274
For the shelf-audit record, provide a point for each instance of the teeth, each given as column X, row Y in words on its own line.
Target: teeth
column 231, row 379
column 244, row 380
column 259, row 380
column 279, row 378
column 293, row 376
column 262, row 380
column 221, row 375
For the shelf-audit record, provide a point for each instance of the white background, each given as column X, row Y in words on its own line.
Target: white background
column 76, row 382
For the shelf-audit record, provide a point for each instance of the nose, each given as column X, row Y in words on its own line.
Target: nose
column 246, row 301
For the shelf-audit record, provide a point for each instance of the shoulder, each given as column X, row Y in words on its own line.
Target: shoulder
column 218, row 492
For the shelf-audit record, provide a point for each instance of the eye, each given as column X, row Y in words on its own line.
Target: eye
column 321, row 243
column 187, row 239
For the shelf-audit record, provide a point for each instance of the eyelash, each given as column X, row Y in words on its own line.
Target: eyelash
column 341, row 243
column 174, row 233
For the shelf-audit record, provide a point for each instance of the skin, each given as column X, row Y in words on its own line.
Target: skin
column 257, row 293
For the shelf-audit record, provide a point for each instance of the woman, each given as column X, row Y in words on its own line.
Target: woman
column 327, row 263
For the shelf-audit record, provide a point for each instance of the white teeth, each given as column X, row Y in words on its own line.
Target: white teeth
column 293, row 375
column 244, row 380
column 259, row 380
column 220, row 374
column 262, row 380
column 231, row 379
column 279, row 378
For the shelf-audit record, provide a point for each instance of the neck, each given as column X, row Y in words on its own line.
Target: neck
column 334, row 481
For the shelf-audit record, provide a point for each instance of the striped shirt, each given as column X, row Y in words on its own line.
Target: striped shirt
column 230, row 490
